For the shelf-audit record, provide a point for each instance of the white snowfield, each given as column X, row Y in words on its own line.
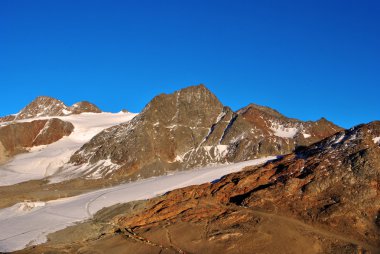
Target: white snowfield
column 281, row 131
column 43, row 161
column 29, row 223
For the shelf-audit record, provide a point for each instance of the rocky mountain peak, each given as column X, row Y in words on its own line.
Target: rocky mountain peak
column 45, row 106
column 191, row 128
column 254, row 109
column 84, row 106
column 323, row 120
column 192, row 106
column 270, row 122
column 169, row 128
column 42, row 106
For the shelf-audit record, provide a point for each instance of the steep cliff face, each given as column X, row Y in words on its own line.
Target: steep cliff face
column 17, row 137
column 191, row 128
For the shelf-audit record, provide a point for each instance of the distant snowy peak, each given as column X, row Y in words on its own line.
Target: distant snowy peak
column 45, row 106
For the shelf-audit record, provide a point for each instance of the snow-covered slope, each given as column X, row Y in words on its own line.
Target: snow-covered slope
column 30, row 223
column 44, row 161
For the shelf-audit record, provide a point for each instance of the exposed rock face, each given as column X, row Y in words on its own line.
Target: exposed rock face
column 169, row 126
column 270, row 122
column 333, row 185
column 53, row 130
column 192, row 128
column 260, row 131
column 44, row 106
column 16, row 137
column 7, row 118
column 323, row 199
column 84, row 106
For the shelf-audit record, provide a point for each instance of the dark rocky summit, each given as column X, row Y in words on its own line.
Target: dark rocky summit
column 191, row 128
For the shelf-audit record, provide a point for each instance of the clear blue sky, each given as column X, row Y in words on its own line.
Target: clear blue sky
column 307, row 59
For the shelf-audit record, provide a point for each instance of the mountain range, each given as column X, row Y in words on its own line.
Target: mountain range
column 321, row 194
column 186, row 129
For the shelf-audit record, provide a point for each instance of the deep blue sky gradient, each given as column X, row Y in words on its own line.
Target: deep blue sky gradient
column 307, row 59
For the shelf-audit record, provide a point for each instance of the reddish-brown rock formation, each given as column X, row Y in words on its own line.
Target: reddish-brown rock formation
column 333, row 185
column 17, row 137
column 267, row 120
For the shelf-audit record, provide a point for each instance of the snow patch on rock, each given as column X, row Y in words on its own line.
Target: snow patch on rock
column 282, row 131
column 305, row 135
column 218, row 151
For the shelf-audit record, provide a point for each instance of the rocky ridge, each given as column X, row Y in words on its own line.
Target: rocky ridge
column 192, row 128
column 44, row 106
column 333, row 184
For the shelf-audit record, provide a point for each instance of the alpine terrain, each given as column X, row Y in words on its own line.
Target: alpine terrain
column 185, row 175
